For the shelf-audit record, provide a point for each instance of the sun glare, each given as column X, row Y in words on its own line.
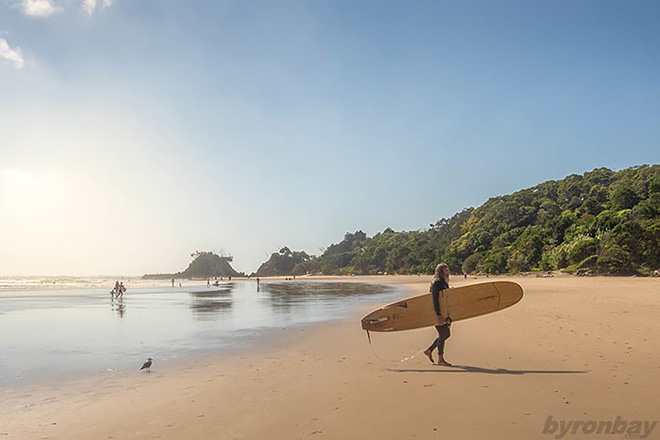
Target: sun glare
column 18, row 191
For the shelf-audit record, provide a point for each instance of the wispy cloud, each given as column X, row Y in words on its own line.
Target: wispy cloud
column 39, row 8
column 91, row 6
column 46, row 8
column 11, row 54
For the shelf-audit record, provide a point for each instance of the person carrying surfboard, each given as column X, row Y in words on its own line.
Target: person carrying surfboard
column 440, row 282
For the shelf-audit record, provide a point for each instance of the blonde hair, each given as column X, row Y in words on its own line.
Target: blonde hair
column 438, row 270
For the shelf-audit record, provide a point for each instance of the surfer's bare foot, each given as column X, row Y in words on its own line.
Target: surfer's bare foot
column 429, row 355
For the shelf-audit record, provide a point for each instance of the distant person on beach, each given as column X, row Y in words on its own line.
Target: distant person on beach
column 121, row 290
column 172, row 282
column 115, row 292
column 440, row 282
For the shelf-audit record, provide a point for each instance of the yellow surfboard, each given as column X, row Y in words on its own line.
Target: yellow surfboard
column 460, row 303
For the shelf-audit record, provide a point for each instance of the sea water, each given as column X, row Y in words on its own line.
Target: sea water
column 51, row 334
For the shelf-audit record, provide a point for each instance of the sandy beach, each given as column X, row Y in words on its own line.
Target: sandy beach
column 573, row 350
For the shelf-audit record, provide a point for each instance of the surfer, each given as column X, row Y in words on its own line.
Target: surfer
column 439, row 283
column 120, row 289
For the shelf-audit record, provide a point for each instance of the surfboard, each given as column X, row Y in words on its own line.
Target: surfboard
column 461, row 303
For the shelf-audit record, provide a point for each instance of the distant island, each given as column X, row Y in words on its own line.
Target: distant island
column 600, row 222
column 205, row 264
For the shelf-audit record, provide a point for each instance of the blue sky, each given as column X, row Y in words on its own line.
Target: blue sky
column 135, row 132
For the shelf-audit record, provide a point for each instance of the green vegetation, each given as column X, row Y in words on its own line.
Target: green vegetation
column 285, row 262
column 603, row 221
column 204, row 265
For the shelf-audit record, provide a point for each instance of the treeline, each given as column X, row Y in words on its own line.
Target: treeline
column 602, row 221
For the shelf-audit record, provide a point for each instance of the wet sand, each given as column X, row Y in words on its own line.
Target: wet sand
column 64, row 334
column 575, row 349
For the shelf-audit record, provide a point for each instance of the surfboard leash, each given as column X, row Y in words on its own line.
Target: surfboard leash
column 389, row 360
column 411, row 357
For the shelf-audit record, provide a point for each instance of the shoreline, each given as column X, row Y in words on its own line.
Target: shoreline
column 103, row 282
column 519, row 365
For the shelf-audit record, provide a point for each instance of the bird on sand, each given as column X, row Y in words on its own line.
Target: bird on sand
column 147, row 365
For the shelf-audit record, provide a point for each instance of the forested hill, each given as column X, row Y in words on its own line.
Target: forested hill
column 204, row 265
column 283, row 263
column 606, row 221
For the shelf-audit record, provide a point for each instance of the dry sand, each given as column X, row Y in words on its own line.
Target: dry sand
column 576, row 349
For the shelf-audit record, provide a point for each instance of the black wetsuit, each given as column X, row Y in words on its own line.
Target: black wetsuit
column 438, row 285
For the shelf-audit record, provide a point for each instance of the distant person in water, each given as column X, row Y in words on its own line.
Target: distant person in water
column 172, row 282
column 440, row 282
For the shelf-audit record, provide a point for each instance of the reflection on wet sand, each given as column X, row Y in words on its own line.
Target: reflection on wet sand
column 210, row 304
column 285, row 298
column 118, row 307
column 326, row 290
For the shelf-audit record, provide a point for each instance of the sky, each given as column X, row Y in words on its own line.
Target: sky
column 135, row 132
